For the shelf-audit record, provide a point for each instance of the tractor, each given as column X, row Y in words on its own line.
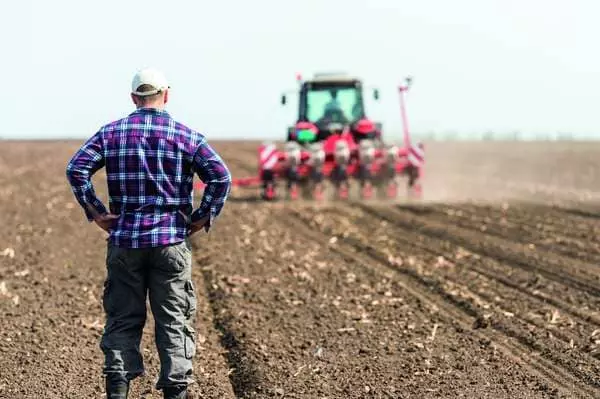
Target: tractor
column 333, row 144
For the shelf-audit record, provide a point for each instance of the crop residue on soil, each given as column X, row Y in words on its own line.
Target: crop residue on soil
column 474, row 299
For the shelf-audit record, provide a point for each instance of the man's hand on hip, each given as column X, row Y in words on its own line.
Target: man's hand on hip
column 106, row 221
column 199, row 225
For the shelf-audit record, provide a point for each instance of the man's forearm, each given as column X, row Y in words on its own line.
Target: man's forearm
column 91, row 205
column 213, row 200
column 80, row 168
column 85, row 195
column 214, row 173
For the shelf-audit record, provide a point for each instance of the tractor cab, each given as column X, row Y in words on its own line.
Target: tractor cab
column 331, row 104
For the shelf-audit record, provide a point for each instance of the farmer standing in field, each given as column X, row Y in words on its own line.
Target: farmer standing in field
column 150, row 162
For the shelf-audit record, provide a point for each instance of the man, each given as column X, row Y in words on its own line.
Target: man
column 333, row 111
column 150, row 161
column 334, row 103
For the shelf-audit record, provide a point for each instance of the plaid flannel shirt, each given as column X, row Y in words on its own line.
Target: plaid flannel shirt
column 150, row 162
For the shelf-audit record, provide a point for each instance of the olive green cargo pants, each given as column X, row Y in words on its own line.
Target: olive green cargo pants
column 164, row 275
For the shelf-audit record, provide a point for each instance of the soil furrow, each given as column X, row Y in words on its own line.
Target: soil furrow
column 501, row 224
column 550, row 219
column 587, row 214
column 537, row 321
column 487, row 268
column 517, row 280
column 580, row 275
column 571, row 237
column 313, row 328
column 522, row 281
column 299, row 306
column 469, row 316
column 243, row 374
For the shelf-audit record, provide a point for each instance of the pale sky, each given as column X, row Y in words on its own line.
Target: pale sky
column 504, row 65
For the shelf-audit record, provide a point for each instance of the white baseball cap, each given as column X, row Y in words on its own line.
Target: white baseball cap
column 151, row 77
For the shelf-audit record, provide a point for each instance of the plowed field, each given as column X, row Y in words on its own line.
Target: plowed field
column 488, row 289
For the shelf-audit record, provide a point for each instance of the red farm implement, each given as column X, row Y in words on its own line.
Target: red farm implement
column 333, row 144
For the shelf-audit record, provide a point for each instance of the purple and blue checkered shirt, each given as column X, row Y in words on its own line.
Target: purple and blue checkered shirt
column 150, row 162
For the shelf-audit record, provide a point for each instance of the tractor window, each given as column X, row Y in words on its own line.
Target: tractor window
column 338, row 104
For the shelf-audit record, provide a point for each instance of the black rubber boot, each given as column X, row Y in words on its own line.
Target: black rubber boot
column 176, row 392
column 116, row 389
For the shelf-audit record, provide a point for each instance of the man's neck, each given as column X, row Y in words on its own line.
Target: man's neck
column 156, row 106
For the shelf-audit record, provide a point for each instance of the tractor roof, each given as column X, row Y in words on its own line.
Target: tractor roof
column 333, row 77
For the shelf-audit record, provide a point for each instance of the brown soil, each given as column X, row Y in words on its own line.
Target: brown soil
column 489, row 297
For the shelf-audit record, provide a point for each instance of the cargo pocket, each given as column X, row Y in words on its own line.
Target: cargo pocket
column 187, row 246
column 174, row 258
column 189, row 342
column 190, row 300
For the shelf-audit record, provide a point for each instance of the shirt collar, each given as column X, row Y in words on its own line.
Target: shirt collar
column 153, row 111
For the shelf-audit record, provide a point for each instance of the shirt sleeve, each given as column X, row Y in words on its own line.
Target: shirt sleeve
column 87, row 161
column 214, row 173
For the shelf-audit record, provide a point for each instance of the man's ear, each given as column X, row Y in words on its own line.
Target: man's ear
column 166, row 97
column 134, row 99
